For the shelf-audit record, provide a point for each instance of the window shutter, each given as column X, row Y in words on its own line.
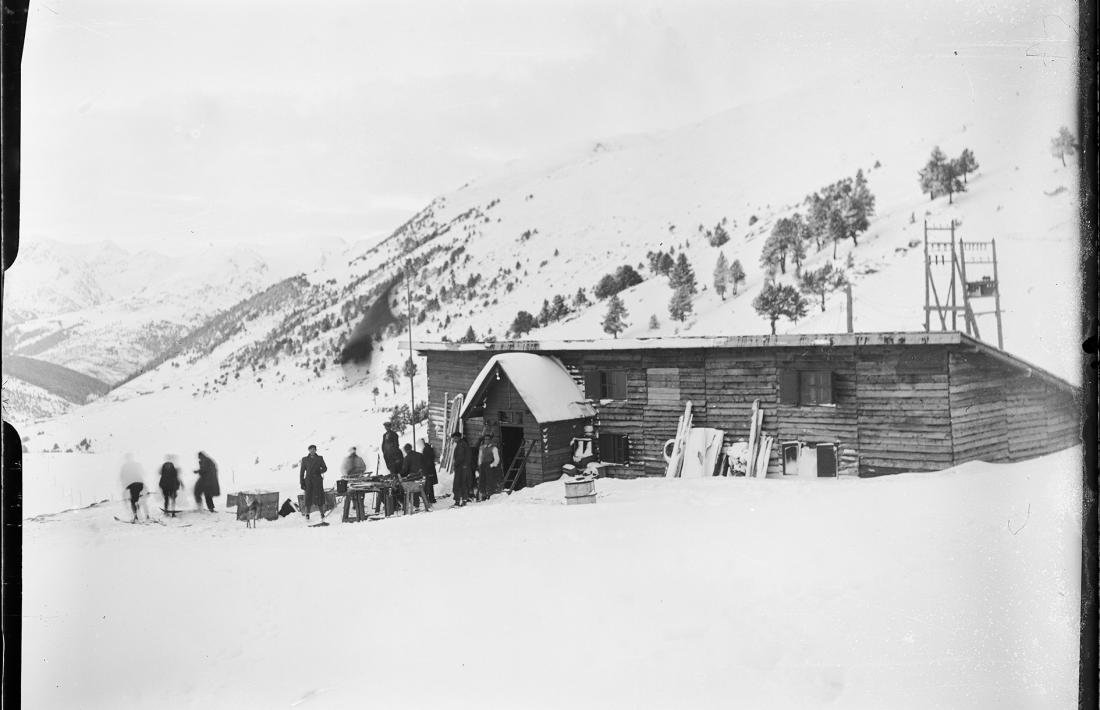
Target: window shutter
column 625, row 452
column 592, row 385
column 827, row 388
column 606, row 451
column 617, row 386
column 788, row 387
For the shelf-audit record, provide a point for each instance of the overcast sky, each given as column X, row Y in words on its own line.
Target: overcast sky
column 159, row 123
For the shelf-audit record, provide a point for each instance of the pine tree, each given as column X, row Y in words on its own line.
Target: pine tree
column 860, row 207
column 822, row 281
column 779, row 300
column 721, row 275
column 666, row 264
column 544, row 314
column 558, row 309
column 524, row 323
column 950, row 182
column 680, row 305
column 393, row 376
column 718, row 237
column 682, row 276
column 654, row 324
column 931, row 173
column 779, row 242
column 613, row 321
column 470, row 337
column 410, row 368
column 967, row 163
column 581, row 299
column 737, row 274
column 1063, row 144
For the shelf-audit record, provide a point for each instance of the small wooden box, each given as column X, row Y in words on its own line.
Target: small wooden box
column 269, row 503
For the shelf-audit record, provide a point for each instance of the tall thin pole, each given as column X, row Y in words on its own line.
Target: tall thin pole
column 412, row 391
column 848, row 292
column 927, row 278
column 997, row 295
column 954, row 300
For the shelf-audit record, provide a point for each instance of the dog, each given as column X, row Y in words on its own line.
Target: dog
column 251, row 507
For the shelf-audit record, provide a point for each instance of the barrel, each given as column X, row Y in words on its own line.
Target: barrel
column 580, row 490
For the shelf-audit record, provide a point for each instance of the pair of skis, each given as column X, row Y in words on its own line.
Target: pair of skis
column 679, row 444
column 760, row 445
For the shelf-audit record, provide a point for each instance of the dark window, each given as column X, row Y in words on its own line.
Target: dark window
column 805, row 387
column 605, row 384
column 816, row 387
column 614, row 448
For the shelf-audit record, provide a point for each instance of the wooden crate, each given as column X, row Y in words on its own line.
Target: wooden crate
column 269, row 503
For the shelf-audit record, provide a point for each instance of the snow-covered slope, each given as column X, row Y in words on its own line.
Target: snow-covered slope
column 955, row 590
column 549, row 226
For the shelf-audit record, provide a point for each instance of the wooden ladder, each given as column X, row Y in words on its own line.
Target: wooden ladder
column 519, row 463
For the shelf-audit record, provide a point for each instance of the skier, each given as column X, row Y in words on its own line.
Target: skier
column 133, row 482
column 461, row 464
column 488, row 468
column 169, row 482
column 207, row 485
column 431, row 478
column 311, row 476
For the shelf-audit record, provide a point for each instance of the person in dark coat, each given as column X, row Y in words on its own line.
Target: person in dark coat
column 462, row 468
column 311, row 476
column 391, row 450
column 207, row 486
column 431, row 478
column 169, row 482
column 488, row 468
column 412, row 468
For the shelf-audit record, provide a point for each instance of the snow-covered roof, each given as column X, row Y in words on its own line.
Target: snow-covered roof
column 542, row 381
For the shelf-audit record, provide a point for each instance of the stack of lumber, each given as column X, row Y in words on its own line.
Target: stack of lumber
column 451, row 411
column 760, row 445
column 679, row 444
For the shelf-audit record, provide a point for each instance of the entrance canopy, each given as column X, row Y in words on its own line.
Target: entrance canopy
column 542, row 381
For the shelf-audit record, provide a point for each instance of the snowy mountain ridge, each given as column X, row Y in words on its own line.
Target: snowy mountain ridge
column 545, row 227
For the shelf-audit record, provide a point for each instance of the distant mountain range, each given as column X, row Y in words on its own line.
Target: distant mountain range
column 233, row 330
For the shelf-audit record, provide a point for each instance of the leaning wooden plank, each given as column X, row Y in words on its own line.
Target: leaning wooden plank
column 676, row 461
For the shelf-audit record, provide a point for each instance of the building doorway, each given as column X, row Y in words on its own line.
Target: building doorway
column 511, row 443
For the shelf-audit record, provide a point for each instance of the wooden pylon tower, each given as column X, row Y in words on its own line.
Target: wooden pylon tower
column 956, row 255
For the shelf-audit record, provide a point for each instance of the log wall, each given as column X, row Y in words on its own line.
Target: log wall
column 904, row 418
column 895, row 408
column 1000, row 414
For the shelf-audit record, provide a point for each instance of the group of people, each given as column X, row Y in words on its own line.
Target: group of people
column 477, row 476
column 480, row 479
column 206, row 486
column 408, row 464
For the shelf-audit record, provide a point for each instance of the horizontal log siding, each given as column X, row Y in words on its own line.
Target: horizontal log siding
column 837, row 423
column 979, row 423
column 451, row 374
column 555, row 449
column 903, row 409
column 1001, row 414
column 622, row 416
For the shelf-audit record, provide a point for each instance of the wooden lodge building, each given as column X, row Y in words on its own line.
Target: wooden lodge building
column 855, row 404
